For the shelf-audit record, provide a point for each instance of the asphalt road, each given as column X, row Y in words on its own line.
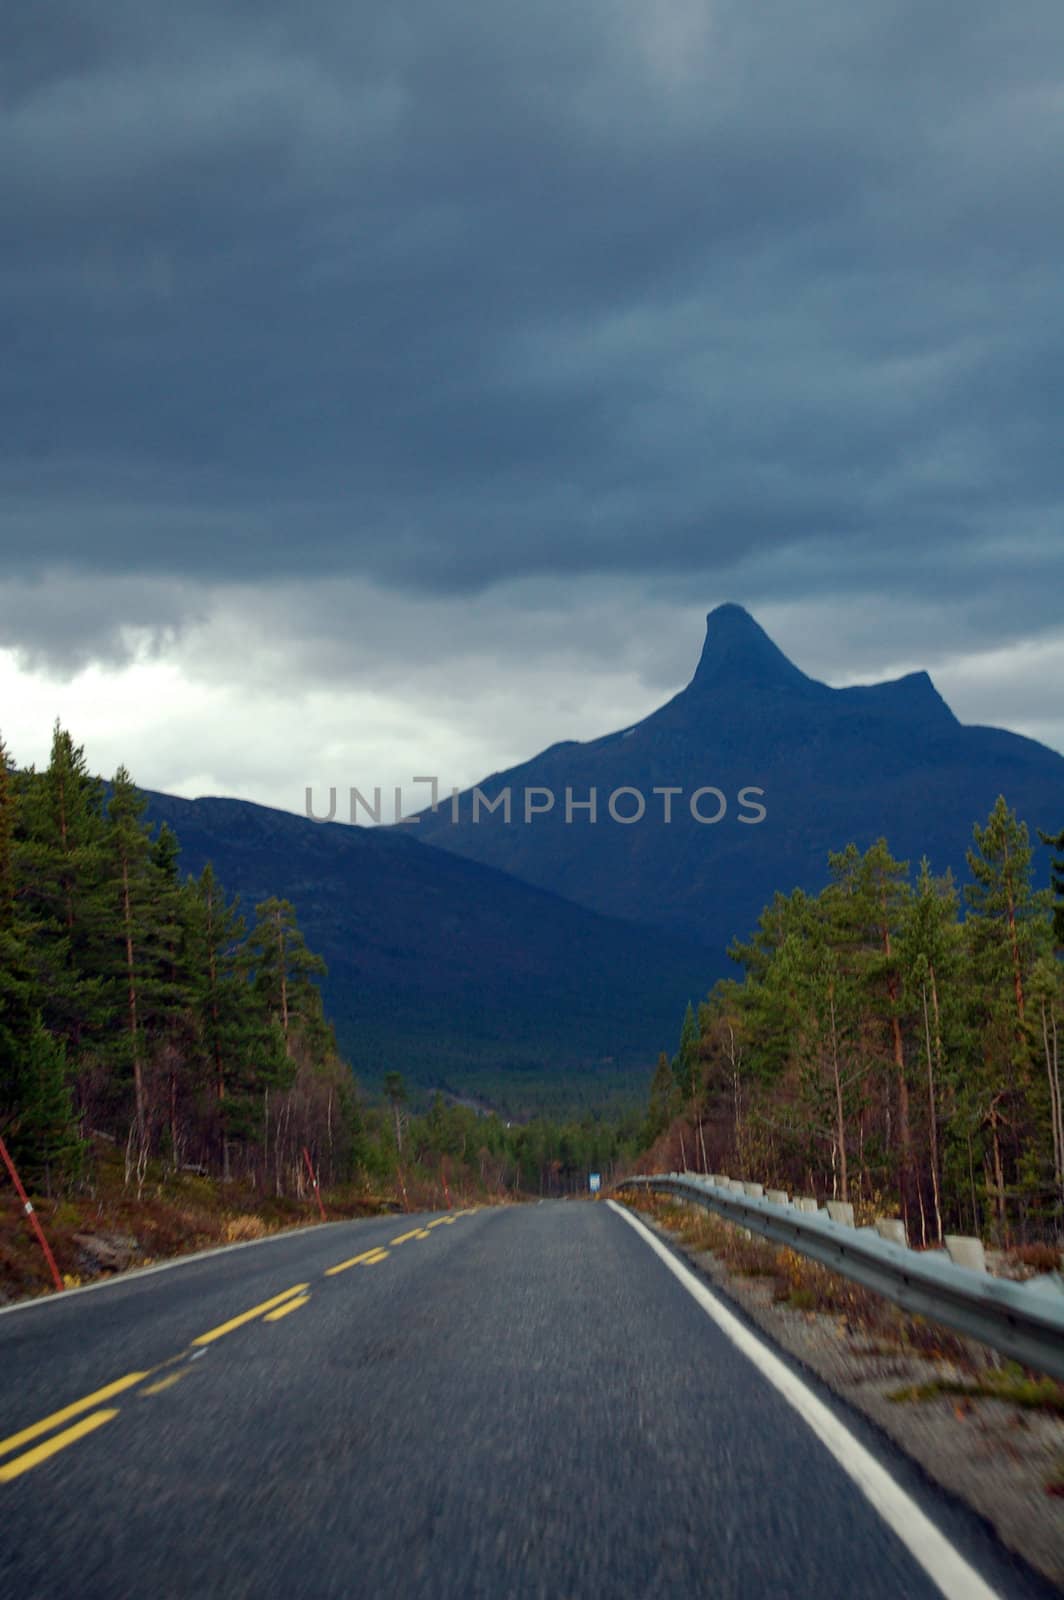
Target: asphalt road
column 521, row 1401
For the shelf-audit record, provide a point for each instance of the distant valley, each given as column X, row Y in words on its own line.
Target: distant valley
column 545, row 963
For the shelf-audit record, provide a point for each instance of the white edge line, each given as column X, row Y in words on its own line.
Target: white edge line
column 944, row 1565
column 133, row 1274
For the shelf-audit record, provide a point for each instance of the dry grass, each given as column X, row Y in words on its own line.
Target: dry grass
column 177, row 1213
column 240, row 1228
column 805, row 1286
column 1035, row 1258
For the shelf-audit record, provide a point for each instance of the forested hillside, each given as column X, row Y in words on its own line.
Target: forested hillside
column 454, row 973
column 148, row 1011
column 891, row 1041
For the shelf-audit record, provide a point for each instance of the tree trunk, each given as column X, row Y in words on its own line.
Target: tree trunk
column 840, row 1120
column 1056, row 1114
column 932, row 1114
column 174, row 1152
column 1017, row 971
column 283, row 966
column 905, row 1140
column 999, row 1171
column 131, row 980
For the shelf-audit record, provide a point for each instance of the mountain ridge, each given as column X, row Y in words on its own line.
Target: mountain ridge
column 448, row 970
column 836, row 764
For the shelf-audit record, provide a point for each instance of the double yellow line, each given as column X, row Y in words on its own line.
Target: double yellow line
column 280, row 1305
column 269, row 1310
column 368, row 1258
column 59, row 1441
column 272, row 1310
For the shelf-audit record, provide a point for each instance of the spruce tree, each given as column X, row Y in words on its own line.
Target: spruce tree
column 45, row 1138
column 685, row 1064
column 135, row 934
column 60, row 866
column 284, row 970
column 15, row 980
column 1006, row 915
column 662, row 1101
column 866, row 903
column 930, row 949
column 1007, row 929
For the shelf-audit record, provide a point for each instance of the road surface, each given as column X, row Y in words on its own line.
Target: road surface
column 526, row 1401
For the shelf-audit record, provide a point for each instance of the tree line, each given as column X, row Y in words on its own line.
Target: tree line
column 143, row 1008
column 892, row 1040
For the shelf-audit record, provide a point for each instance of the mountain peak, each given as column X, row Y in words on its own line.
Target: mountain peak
column 737, row 651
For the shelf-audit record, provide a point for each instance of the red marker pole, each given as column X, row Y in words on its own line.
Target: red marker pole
column 27, row 1207
column 314, row 1181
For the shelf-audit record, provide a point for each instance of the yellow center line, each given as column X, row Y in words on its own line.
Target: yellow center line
column 167, row 1382
column 376, row 1259
column 441, row 1222
column 51, row 1447
column 367, row 1256
column 48, row 1423
column 249, row 1316
column 415, row 1233
column 282, row 1311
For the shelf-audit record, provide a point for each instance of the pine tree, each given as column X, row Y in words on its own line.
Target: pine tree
column 1006, row 915
column 1056, row 842
column 59, row 862
column 395, row 1089
column 45, row 1137
column 661, row 1104
column 136, row 934
column 285, row 968
column 685, row 1063
column 15, row 980
column 224, row 1000
column 1007, row 929
column 866, row 903
column 1047, row 997
column 929, row 949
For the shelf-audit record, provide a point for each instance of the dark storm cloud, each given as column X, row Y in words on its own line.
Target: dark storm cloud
column 449, row 296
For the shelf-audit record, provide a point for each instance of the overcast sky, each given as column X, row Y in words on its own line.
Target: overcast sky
column 389, row 390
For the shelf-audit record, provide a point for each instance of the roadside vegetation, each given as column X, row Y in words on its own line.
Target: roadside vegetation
column 165, row 1050
column 891, row 1042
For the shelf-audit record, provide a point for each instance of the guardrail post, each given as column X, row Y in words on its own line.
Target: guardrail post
column 1022, row 1320
column 840, row 1211
column 755, row 1189
column 965, row 1252
column 777, row 1196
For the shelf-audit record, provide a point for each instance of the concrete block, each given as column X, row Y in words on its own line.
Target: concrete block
column 966, row 1252
column 892, row 1228
column 803, row 1202
column 840, row 1211
column 777, row 1196
column 756, row 1190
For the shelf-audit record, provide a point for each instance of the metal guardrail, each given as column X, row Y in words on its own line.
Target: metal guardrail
column 1021, row 1320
